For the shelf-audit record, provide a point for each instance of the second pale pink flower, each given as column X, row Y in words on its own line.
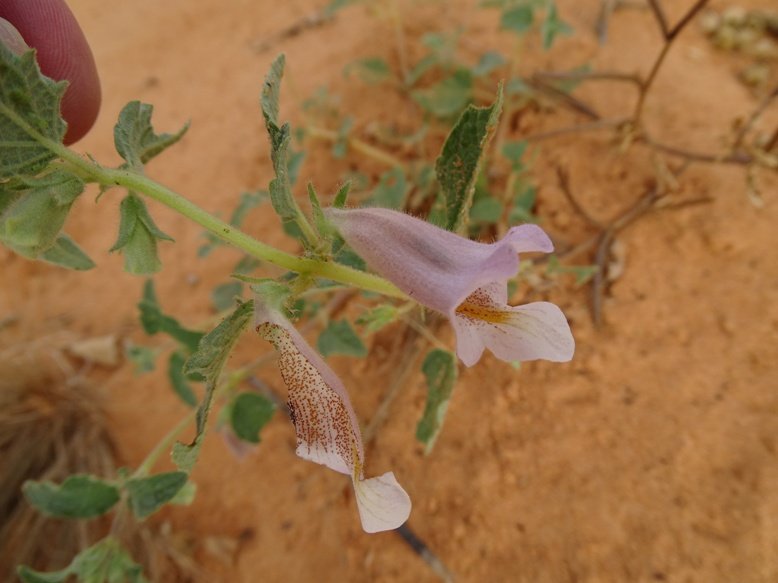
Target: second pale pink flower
column 463, row 279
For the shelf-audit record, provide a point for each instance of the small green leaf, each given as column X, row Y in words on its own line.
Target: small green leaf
column 582, row 273
column 27, row 575
column 208, row 361
column 523, row 203
column 440, row 370
column 134, row 136
column 342, row 195
column 249, row 413
column 518, row 19
column 104, row 562
column 79, row 496
column 339, row 338
column 488, row 62
column 66, row 253
column 147, row 495
column 178, row 379
column 514, row 152
column 391, row 190
column 340, row 146
column 372, row 70
column 553, row 26
column 460, row 161
column 142, row 357
column 448, row 97
column 378, row 317
column 247, row 202
column 138, row 236
column 223, row 295
column 486, row 210
column 186, row 495
column 155, row 321
column 29, row 110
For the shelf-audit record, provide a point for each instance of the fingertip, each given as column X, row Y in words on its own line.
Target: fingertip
column 63, row 54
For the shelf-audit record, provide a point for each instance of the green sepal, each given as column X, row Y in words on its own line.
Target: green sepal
column 79, row 496
column 134, row 136
column 342, row 195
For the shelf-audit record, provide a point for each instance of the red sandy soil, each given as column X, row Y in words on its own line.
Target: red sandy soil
column 652, row 456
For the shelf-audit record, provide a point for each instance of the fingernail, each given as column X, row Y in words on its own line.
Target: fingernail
column 11, row 38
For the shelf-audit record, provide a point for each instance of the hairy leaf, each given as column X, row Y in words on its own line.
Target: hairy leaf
column 147, row 495
column 440, row 370
column 208, row 361
column 29, row 108
column 134, row 136
column 79, row 496
column 459, row 163
column 66, row 253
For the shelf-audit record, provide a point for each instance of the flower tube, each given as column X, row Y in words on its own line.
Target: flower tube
column 463, row 279
column 326, row 425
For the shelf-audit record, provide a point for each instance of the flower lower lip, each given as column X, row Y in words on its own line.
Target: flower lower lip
column 483, row 313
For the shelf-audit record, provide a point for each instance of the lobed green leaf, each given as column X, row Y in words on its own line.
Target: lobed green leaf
column 134, row 135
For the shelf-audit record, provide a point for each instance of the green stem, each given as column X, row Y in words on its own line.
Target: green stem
column 163, row 446
column 144, row 185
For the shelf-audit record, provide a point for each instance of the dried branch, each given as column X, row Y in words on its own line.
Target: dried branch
column 659, row 14
column 591, row 76
column 753, row 118
column 564, row 184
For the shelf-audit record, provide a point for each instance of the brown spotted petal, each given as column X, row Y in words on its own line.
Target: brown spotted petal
column 326, row 425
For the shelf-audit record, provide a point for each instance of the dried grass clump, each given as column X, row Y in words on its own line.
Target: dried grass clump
column 53, row 424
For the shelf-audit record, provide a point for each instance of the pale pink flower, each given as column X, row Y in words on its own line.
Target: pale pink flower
column 463, row 279
column 326, row 425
